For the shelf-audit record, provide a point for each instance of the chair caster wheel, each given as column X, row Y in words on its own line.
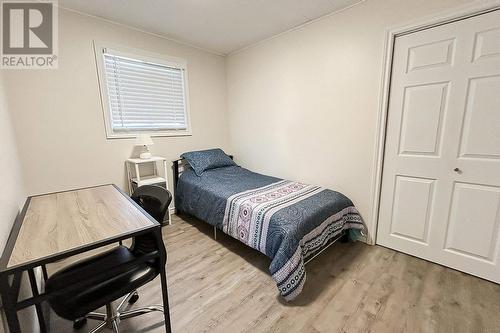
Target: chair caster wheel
column 133, row 299
column 79, row 323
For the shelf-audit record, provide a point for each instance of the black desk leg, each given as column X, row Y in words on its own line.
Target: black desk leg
column 166, row 307
column 163, row 279
column 9, row 304
column 38, row 306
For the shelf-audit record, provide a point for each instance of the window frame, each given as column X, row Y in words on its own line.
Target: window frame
column 99, row 49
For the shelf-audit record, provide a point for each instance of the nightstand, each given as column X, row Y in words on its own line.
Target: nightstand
column 156, row 178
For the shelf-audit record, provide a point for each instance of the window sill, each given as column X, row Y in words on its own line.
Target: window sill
column 133, row 135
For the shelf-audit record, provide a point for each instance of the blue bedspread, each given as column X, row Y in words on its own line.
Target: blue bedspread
column 287, row 221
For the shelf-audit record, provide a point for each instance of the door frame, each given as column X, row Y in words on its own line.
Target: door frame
column 428, row 22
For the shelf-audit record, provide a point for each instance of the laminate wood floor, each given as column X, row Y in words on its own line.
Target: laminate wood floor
column 223, row 286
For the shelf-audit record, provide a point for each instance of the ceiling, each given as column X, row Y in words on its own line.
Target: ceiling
column 221, row 26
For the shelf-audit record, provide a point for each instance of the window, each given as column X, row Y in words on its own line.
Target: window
column 142, row 94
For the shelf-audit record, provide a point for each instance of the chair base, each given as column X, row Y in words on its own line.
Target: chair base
column 111, row 319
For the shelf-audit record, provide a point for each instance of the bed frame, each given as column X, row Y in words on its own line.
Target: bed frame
column 180, row 165
column 177, row 168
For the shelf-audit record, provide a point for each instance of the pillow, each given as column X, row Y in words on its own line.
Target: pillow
column 203, row 160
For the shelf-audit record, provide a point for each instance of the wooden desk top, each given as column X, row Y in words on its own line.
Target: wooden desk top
column 64, row 221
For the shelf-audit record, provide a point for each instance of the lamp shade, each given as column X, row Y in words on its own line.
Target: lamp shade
column 143, row 140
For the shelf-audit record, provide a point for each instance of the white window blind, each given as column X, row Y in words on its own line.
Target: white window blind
column 144, row 96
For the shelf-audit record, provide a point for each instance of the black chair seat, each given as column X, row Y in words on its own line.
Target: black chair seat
column 94, row 284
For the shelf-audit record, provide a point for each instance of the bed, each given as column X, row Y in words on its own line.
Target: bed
column 290, row 222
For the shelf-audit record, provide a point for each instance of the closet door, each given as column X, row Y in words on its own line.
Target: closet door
column 440, row 195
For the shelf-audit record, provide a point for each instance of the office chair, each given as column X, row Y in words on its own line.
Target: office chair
column 102, row 279
column 153, row 199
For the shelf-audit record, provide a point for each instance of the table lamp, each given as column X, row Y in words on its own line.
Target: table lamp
column 144, row 140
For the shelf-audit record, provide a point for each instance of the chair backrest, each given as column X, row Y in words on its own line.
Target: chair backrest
column 155, row 200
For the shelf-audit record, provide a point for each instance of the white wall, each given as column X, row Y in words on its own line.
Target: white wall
column 304, row 105
column 58, row 117
column 12, row 195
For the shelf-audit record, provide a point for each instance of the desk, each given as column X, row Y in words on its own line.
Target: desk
column 55, row 226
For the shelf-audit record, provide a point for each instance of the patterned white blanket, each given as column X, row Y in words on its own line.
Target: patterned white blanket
column 289, row 222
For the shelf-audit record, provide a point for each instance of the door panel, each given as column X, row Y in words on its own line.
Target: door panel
column 413, row 199
column 487, row 44
column 474, row 207
column 433, row 54
column 440, row 196
column 481, row 135
column 423, row 111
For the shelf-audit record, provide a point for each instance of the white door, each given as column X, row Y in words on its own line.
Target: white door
column 440, row 196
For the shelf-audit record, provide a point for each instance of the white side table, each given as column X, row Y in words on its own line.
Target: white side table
column 156, row 178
